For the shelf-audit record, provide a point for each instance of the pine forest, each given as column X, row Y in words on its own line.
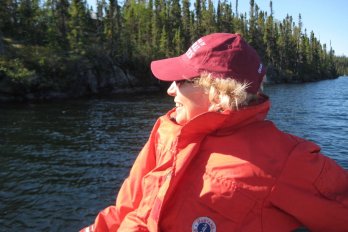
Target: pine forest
column 61, row 45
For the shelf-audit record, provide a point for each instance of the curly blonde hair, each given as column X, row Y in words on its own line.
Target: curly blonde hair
column 225, row 93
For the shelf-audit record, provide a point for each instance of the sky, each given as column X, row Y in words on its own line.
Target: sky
column 327, row 19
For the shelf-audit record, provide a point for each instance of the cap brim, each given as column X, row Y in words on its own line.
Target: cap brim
column 173, row 69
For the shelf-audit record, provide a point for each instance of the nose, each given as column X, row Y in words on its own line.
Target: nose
column 171, row 91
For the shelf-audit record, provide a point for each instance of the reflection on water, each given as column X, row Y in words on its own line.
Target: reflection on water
column 62, row 162
column 315, row 111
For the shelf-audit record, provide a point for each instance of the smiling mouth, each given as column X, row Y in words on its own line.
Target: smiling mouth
column 178, row 104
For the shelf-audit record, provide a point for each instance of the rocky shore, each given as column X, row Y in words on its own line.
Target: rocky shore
column 84, row 82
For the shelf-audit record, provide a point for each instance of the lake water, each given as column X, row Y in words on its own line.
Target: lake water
column 62, row 162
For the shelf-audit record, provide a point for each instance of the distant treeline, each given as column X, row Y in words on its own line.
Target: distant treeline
column 51, row 38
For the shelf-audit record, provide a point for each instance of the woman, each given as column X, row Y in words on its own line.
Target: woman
column 213, row 163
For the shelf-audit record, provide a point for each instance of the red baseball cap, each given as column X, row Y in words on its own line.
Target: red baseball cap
column 222, row 54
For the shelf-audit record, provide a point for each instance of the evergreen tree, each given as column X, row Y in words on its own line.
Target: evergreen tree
column 28, row 20
column 164, row 45
column 77, row 34
column 208, row 24
column 341, row 64
column 178, row 43
column 134, row 32
column 130, row 29
column 113, row 28
column 269, row 39
column 156, row 27
column 225, row 19
column 331, row 64
column 197, row 29
column 9, row 17
column 252, row 34
column 101, row 21
column 56, row 15
column 260, row 30
column 305, row 70
column 175, row 26
column 175, row 20
column 297, row 41
column 314, row 55
column 186, row 23
column 237, row 12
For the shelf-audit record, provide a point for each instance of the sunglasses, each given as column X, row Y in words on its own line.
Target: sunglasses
column 181, row 82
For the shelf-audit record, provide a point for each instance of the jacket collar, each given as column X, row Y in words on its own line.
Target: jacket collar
column 222, row 123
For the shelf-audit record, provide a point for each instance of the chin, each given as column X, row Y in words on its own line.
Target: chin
column 180, row 121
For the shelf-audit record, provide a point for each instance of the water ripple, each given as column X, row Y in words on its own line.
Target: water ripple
column 62, row 162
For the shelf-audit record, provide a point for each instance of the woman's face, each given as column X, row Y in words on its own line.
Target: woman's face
column 190, row 100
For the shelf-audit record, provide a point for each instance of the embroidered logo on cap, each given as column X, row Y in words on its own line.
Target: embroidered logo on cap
column 193, row 49
column 260, row 69
column 203, row 224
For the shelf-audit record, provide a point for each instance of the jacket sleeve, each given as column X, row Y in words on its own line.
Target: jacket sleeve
column 313, row 189
column 130, row 194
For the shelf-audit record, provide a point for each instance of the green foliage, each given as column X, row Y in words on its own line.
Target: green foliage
column 16, row 70
column 77, row 24
column 57, row 36
column 341, row 65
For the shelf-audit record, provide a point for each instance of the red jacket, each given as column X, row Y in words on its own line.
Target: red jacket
column 233, row 171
